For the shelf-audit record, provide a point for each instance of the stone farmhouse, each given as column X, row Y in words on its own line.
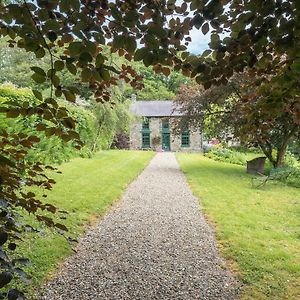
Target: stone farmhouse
column 152, row 128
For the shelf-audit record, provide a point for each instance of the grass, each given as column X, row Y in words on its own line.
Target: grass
column 86, row 189
column 258, row 230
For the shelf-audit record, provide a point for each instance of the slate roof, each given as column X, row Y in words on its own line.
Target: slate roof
column 157, row 108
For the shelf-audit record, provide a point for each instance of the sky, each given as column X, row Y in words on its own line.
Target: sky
column 199, row 41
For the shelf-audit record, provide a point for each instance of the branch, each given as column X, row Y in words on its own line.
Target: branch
column 236, row 90
column 218, row 112
column 46, row 44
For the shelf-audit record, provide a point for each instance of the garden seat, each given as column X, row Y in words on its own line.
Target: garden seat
column 256, row 165
column 280, row 174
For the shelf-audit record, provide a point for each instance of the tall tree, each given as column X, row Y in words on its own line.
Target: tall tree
column 252, row 114
column 261, row 35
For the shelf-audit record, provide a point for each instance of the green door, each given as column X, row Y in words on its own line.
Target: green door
column 166, row 144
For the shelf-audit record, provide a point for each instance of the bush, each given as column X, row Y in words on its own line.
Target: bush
column 227, row 155
column 121, row 141
column 291, row 167
column 49, row 149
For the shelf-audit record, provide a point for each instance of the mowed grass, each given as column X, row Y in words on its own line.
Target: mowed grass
column 258, row 230
column 86, row 189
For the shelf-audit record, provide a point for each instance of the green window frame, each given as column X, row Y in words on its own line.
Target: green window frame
column 165, row 125
column 185, row 139
column 145, row 140
column 146, row 124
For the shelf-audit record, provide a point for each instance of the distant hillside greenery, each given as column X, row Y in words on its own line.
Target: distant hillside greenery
column 157, row 86
column 15, row 68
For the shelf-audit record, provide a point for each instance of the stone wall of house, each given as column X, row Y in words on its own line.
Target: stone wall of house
column 195, row 142
column 155, row 129
column 135, row 136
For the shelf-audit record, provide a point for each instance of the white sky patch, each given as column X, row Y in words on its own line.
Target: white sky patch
column 199, row 41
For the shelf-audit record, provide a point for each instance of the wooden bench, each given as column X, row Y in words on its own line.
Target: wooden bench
column 280, row 174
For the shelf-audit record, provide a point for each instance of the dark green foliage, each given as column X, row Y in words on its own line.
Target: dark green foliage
column 50, row 149
column 228, row 155
column 261, row 37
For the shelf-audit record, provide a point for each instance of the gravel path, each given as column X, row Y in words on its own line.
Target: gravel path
column 154, row 244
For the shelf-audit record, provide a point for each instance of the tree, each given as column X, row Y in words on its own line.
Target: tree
column 156, row 86
column 72, row 35
column 258, row 37
column 253, row 115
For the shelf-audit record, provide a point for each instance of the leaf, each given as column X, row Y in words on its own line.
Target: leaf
column 205, row 28
column 118, row 42
column 59, row 65
column 197, row 21
column 104, row 74
column 21, row 261
column 99, row 60
column 75, row 4
column 166, row 71
column 12, row 246
column 148, row 59
column 130, row 44
column 52, row 36
column 40, row 53
column 65, row 5
column 75, row 48
column 52, row 24
column 214, row 41
column 37, row 94
column 3, row 237
column 38, row 78
column 85, row 57
column 5, row 278
column 72, row 69
column 140, row 54
column 14, row 294
column 5, row 161
column 91, row 47
column 12, row 113
column 55, row 80
column 206, row 53
column 38, row 70
column 69, row 96
column 86, row 75
column 61, row 226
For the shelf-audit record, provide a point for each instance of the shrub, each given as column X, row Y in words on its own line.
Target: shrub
column 49, row 149
column 227, row 155
column 121, row 141
column 289, row 173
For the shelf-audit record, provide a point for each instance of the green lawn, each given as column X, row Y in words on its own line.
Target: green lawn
column 258, row 230
column 86, row 189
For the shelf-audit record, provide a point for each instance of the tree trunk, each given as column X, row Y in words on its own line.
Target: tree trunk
column 282, row 149
column 96, row 138
column 268, row 153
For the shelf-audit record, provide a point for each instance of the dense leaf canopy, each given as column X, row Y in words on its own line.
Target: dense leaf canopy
column 257, row 37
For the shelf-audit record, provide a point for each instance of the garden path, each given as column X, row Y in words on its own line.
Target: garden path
column 154, row 244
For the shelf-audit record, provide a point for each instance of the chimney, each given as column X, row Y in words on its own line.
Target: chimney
column 133, row 97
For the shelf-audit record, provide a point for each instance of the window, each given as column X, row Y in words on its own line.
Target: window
column 145, row 139
column 146, row 133
column 145, row 123
column 165, row 124
column 185, row 139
